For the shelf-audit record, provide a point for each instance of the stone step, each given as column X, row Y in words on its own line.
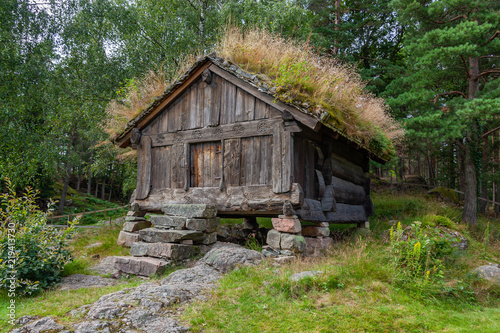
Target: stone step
column 127, row 238
column 156, row 235
column 164, row 221
column 163, row 250
column 136, row 226
column 190, row 210
column 144, row 266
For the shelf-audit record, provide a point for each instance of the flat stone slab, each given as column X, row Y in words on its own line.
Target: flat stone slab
column 134, row 218
column 144, row 266
column 287, row 225
column 127, row 238
column 210, row 238
column 190, row 210
column 163, row 250
column 78, row 281
column 155, row 235
column 136, row 226
column 106, row 266
column 165, row 221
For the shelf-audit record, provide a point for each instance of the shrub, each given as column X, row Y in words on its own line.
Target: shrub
column 32, row 254
column 418, row 254
column 438, row 220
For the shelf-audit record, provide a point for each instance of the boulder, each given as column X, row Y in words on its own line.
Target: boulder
column 163, row 250
column 144, row 266
column 134, row 219
column 46, row 324
column 127, row 238
column 317, row 246
column 200, row 274
column 155, row 235
column 293, row 242
column 225, row 257
column 287, row 225
column 461, row 243
column 136, row 226
column 190, row 210
column 489, row 272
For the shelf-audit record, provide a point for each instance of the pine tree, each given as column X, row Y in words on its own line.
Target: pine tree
column 451, row 91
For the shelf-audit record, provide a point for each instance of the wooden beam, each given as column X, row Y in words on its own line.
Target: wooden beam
column 237, row 200
column 228, row 131
column 304, row 118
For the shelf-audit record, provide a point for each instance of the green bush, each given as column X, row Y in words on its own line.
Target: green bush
column 32, row 254
column 418, row 254
column 438, row 220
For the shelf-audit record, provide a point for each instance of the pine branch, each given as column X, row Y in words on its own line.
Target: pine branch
column 495, row 35
column 449, row 93
column 451, row 20
column 486, row 73
column 489, row 132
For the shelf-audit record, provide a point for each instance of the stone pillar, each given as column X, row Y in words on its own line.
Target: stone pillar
column 286, row 236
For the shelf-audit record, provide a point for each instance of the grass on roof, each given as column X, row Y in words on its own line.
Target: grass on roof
column 323, row 86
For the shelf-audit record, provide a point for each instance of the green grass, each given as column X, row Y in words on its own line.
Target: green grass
column 360, row 289
column 57, row 303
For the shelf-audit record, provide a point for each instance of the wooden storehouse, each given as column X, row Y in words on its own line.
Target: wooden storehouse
column 219, row 136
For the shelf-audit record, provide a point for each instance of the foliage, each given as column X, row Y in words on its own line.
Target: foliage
column 30, row 250
column 418, row 253
column 438, row 220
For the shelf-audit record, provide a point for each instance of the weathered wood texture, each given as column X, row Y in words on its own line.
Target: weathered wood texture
column 238, row 200
column 304, row 166
column 347, row 192
column 209, row 105
column 144, row 166
column 206, row 163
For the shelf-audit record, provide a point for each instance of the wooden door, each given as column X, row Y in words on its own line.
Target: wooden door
column 206, row 164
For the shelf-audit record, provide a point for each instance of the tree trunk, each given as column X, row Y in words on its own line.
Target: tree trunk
column 111, row 182
column 89, row 184
column 60, row 209
column 96, row 188
column 103, row 191
column 337, row 23
column 470, row 189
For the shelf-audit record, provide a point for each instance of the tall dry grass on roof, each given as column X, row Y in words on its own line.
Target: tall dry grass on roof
column 318, row 84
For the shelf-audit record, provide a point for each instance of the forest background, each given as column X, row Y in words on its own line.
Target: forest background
column 63, row 62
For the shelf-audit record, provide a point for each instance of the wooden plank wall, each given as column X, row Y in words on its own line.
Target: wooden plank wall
column 210, row 105
column 305, row 161
column 247, row 160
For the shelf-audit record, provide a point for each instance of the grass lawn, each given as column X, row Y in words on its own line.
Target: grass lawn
column 360, row 290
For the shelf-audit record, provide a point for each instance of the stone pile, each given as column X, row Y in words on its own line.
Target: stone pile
column 289, row 236
column 317, row 238
column 177, row 235
column 286, row 235
column 134, row 222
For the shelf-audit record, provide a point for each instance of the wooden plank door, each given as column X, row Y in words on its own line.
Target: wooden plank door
column 206, row 161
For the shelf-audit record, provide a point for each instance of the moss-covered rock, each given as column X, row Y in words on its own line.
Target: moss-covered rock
column 446, row 194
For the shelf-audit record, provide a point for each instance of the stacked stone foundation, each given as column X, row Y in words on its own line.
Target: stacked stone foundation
column 289, row 235
column 183, row 231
